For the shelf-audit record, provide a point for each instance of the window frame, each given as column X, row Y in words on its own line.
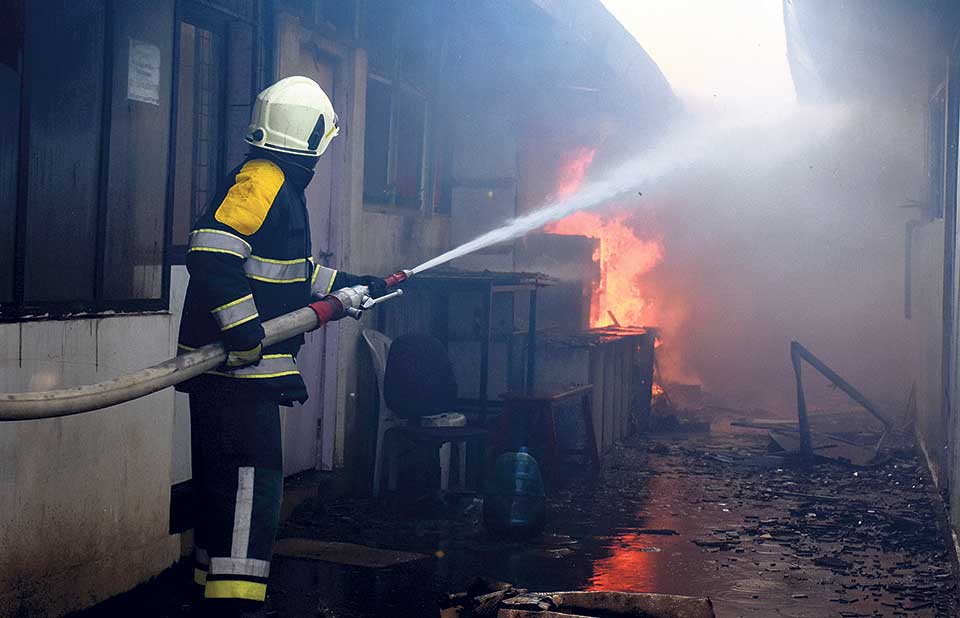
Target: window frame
column 392, row 75
column 937, row 153
column 19, row 309
column 199, row 16
column 398, row 88
column 208, row 15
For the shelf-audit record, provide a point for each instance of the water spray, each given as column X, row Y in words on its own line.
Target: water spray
column 673, row 154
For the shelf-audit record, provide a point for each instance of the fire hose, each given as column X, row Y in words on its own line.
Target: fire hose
column 348, row 302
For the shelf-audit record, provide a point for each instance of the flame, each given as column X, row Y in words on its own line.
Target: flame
column 627, row 251
column 624, row 258
column 573, row 170
column 619, row 297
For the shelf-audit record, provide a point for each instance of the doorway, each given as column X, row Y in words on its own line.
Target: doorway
column 308, row 428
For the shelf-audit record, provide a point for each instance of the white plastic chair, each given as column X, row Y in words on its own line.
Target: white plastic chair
column 379, row 345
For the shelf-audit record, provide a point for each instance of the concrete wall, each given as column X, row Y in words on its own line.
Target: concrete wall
column 391, row 241
column 484, row 175
column 934, row 299
column 180, row 464
column 85, row 499
column 927, row 326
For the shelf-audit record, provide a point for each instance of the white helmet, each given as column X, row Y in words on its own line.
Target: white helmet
column 295, row 116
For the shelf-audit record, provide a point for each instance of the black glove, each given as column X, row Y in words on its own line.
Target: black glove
column 376, row 285
column 244, row 358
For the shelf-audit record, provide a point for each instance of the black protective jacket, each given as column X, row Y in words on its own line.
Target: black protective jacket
column 250, row 260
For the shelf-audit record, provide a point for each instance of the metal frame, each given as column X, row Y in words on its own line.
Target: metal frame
column 486, row 289
column 799, row 353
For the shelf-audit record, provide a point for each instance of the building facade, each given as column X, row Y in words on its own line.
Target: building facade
column 902, row 59
column 115, row 137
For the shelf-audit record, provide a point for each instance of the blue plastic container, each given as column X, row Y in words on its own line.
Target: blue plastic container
column 515, row 502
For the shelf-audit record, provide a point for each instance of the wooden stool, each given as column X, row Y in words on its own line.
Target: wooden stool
column 537, row 412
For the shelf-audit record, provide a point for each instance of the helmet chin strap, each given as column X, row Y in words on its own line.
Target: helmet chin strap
column 305, row 163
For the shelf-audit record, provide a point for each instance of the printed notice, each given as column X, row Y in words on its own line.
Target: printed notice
column 143, row 75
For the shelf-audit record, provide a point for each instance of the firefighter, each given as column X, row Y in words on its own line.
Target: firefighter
column 250, row 260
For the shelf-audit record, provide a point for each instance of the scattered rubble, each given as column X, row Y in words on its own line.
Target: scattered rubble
column 505, row 601
column 682, row 514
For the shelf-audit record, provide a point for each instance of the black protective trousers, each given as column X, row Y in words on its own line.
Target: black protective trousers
column 238, row 476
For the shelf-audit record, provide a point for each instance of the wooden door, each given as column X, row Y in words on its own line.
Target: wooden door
column 308, row 428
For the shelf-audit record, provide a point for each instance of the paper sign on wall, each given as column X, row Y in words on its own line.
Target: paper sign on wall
column 143, row 74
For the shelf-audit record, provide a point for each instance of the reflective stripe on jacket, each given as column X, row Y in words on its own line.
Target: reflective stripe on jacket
column 249, row 259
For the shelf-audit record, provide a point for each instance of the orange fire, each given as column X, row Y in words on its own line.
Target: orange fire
column 627, row 293
column 624, row 258
column 573, row 170
column 619, row 297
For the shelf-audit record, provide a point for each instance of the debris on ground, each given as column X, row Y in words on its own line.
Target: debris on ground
column 671, row 423
column 343, row 553
column 505, row 601
column 699, row 515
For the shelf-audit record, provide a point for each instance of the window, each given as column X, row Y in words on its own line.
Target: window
column 936, row 155
column 411, row 127
column 396, row 118
column 376, row 145
column 198, row 167
column 82, row 167
column 63, row 169
column 218, row 69
column 341, row 15
column 11, row 43
column 394, row 147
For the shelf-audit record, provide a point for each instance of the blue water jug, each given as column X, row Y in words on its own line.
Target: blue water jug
column 515, row 503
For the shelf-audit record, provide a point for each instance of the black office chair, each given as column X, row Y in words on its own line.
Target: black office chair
column 417, row 381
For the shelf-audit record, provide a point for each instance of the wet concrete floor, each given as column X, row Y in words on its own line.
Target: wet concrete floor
column 692, row 514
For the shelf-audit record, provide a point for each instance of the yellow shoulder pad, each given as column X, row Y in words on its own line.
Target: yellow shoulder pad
column 248, row 201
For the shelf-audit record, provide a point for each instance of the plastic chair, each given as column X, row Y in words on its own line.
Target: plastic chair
column 379, row 345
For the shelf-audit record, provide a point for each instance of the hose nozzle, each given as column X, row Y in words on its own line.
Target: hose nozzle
column 398, row 277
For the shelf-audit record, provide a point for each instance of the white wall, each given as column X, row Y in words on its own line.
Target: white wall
column 927, row 326
column 85, row 499
column 180, row 469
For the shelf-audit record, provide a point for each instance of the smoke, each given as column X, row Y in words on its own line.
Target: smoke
column 777, row 224
column 680, row 149
column 791, row 230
